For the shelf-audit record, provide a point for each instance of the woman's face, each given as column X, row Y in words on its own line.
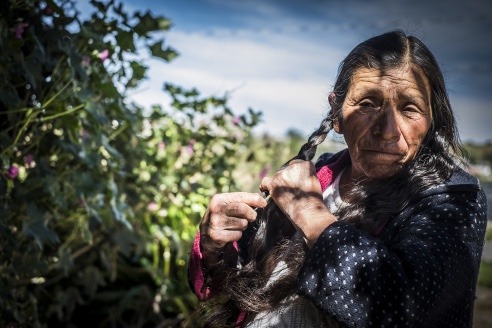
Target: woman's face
column 385, row 118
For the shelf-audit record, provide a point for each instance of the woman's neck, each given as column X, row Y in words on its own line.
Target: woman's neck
column 347, row 184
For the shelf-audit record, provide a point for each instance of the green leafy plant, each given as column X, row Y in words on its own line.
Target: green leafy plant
column 100, row 198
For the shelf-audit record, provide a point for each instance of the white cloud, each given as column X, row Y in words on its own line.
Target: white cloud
column 285, row 66
column 288, row 79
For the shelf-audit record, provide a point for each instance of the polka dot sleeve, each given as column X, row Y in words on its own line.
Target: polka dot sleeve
column 420, row 272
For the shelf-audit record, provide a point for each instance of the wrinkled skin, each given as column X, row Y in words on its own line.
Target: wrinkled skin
column 385, row 118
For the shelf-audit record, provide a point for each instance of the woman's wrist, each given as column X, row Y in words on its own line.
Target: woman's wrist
column 211, row 255
column 313, row 221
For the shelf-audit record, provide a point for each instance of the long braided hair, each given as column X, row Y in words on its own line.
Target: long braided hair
column 269, row 240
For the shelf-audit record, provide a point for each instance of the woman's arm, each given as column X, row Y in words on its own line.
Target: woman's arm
column 215, row 245
column 296, row 190
column 421, row 273
column 202, row 280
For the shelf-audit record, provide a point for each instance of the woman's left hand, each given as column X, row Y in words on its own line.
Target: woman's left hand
column 297, row 192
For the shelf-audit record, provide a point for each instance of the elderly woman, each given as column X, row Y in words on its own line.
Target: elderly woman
column 386, row 233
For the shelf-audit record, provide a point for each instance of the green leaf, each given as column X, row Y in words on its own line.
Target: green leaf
column 52, row 4
column 65, row 262
column 92, row 279
column 164, row 24
column 35, row 226
column 100, row 6
column 63, row 20
column 167, row 54
column 125, row 40
column 69, row 299
column 138, row 73
column 126, row 240
column 9, row 96
column 148, row 23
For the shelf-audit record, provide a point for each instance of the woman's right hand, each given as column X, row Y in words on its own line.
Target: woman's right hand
column 226, row 218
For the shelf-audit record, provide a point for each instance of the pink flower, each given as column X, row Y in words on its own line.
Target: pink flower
column 84, row 134
column 152, row 206
column 86, row 60
column 236, row 120
column 189, row 147
column 161, row 146
column 103, row 55
column 13, row 172
column 264, row 172
column 19, row 29
column 28, row 160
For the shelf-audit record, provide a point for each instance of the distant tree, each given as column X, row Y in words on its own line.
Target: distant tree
column 294, row 134
column 479, row 153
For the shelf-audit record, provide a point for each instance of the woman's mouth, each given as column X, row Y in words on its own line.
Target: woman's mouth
column 384, row 155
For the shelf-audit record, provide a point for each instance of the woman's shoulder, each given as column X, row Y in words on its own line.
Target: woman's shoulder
column 461, row 178
column 460, row 181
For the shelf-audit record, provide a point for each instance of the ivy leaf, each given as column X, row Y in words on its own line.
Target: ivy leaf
column 35, row 226
column 92, row 279
column 147, row 23
column 125, row 40
column 65, row 262
column 9, row 96
column 126, row 240
column 139, row 71
column 68, row 300
column 99, row 5
column 108, row 89
column 167, row 54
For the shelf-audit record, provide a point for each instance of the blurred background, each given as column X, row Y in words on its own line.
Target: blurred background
column 120, row 119
column 281, row 57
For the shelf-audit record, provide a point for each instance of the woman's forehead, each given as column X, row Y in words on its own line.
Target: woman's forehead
column 408, row 78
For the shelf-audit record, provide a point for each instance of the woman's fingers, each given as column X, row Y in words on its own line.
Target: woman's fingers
column 238, row 211
column 220, row 200
column 291, row 177
column 265, row 184
column 228, row 215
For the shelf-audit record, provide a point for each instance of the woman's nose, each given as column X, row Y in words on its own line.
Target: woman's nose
column 386, row 125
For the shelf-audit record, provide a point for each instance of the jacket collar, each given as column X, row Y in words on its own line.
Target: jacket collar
column 330, row 165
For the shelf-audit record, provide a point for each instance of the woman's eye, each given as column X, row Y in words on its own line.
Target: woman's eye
column 411, row 109
column 367, row 104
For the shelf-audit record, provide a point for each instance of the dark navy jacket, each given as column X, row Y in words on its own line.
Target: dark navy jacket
column 420, row 271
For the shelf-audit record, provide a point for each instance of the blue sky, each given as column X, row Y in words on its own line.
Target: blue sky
column 281, row 57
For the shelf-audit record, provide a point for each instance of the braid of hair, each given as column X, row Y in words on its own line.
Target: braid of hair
column 308, row 150
column 272, row 225
column 272, row 233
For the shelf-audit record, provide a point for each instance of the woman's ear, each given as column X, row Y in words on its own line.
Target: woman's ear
column 335, row 112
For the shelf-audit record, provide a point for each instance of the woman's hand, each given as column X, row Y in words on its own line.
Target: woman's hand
column 297, row 192
column 225, row 220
